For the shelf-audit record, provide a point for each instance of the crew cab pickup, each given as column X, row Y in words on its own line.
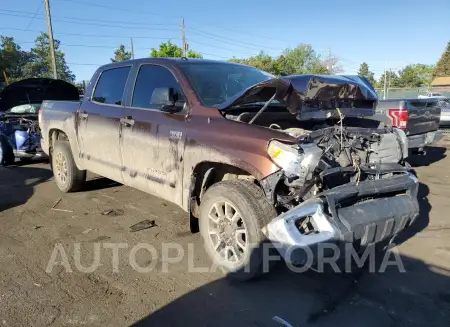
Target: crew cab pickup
column 227, row 143
column 418, row 118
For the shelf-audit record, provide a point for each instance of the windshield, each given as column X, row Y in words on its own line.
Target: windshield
column 31, row 108
column 216, row 82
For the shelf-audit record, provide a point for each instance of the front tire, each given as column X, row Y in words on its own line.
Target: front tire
column 232, row 215
column 66, row 173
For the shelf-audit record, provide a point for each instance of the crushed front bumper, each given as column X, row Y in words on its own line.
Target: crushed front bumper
column 367, row 213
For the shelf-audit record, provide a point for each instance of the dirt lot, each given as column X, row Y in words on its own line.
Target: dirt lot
column 30, row 229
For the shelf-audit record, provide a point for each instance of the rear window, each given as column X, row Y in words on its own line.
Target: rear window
column 111, row 85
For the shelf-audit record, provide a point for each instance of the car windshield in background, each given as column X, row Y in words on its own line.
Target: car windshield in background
column 216, row 82
column 31, row 108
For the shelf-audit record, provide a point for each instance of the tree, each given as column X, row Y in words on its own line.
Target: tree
column 170, row 50
column 12, row 58
column 364, row 71
column 392, row 80
column 301, row 60
column 40, row 63
column 415, row 75
column 121, row 54
column 332, row 64
column 443, row 65
column 261, row 61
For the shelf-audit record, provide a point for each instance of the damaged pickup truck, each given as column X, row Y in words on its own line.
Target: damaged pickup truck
column 20, row 136
column 250, row 157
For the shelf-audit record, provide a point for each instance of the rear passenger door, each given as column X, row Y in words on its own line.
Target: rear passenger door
column 99, row 124
column 153, row 142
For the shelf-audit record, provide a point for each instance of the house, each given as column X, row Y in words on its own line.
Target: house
column 441, row 82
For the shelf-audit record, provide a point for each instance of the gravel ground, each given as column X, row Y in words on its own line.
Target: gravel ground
column 33, row 295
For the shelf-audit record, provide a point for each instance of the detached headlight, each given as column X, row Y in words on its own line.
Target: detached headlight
column 285, row 156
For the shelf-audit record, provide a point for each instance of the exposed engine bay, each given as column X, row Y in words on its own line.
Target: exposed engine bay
column 334, row 142
column 21, row 135
column 334, row 156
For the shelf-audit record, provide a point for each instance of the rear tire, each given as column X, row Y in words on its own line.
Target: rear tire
column 232, row 215
column 66, row 173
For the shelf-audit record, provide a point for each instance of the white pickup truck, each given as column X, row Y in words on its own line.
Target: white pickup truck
column 431, row 95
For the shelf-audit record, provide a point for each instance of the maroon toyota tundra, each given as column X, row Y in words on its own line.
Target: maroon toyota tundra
column 252, row 158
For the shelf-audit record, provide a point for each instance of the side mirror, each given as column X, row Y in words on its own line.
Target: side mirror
column 166, row 100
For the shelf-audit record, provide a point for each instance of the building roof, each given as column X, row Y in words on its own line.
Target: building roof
column 441, row 81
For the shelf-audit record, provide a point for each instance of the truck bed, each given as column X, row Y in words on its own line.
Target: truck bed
column 54, row 113
column 423, row 116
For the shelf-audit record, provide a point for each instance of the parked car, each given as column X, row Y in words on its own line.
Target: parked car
column 226, row 143
column 431, row 95
column 418, row 118
column 19, row 106
column 444, row 105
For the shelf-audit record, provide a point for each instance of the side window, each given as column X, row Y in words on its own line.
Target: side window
column 151, row 77
column 111, row 85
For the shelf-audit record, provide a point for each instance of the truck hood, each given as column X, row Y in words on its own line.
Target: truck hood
column 306, row 93
column 36, row 90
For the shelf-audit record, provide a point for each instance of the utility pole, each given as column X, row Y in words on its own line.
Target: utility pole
column 183, row 38
column 329, row 62
column 132, row 48
column 384, row 89
column 389, row 82
column 50, row 38
column 6, row 78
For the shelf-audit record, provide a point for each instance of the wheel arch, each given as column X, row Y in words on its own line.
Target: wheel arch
column 55, row 134
column 204, row 175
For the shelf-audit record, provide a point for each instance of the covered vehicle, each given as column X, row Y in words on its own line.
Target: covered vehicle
column 19, row 107
column 249, row 156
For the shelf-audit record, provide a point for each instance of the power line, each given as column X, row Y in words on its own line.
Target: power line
column 89, row 23
column 171, row 16
column 93, row 35
column 235, row 43
column 92, row 20
column 218, row 47
column 32, row 18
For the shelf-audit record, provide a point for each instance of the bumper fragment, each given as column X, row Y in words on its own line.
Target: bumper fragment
column 378, row 210
column 422, row 140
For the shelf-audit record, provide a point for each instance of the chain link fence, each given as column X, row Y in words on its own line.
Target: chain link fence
column 395, row 93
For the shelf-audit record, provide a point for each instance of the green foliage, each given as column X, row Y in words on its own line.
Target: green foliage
column 40, row 63
column 37, row 62
column 121, row 54
column 415, row 75
column 300, row 60
column 170, row 50
column 261, row 61
column 392, row 80
column 364, row 71
column 443, row 65
column 12, row 58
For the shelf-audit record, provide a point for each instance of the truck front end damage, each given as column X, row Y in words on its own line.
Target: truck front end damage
column 357, row 213
column 339, row 185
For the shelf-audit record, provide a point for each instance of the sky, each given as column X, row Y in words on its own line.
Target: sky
column 384, row 33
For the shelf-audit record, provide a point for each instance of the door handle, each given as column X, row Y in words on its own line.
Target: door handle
column 127, row 121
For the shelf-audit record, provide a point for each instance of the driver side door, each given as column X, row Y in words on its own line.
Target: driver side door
column 152, row 141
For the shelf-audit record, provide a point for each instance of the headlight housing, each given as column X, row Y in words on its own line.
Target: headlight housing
column 285, row 156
